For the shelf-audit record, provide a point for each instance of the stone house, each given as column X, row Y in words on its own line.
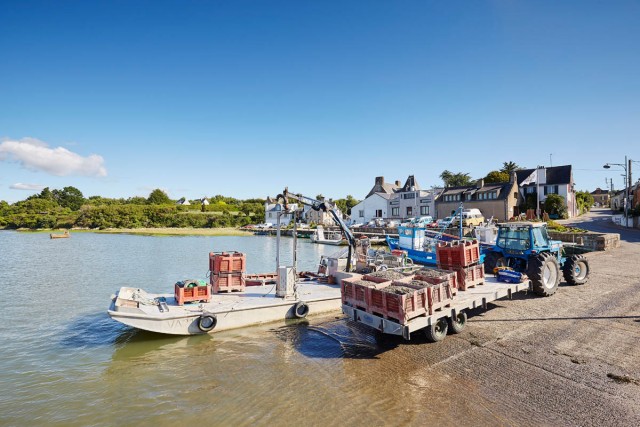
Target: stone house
column 498, row 200
column 601, row 197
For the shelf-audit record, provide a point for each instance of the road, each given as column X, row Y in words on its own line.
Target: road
column 570, row 359
column 599, row 220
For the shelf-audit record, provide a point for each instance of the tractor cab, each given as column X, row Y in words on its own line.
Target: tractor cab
column 526, row 238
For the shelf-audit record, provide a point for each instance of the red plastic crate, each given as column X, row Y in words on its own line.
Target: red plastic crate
column 438, row 275
column 356, row 294
column 439, row 296
column 227, row 282
column 196, row 293
column 399, row 307
column 467, row 277
column 458, row 253
column 227, row 262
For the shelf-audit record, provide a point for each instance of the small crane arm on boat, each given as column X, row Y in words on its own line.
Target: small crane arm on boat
column 318, row 205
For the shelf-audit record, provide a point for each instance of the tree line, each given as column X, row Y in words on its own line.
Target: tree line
column 68, row 208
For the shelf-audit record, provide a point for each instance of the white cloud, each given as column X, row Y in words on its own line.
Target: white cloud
column 29, row 187
column 36, row 155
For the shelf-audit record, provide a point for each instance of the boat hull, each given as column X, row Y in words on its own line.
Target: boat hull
column 420, row 257
column 234, row 310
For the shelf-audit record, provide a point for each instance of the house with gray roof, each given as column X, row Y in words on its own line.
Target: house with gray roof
column 542, row 181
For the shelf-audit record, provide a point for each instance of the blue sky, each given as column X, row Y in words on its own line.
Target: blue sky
column 243, row 98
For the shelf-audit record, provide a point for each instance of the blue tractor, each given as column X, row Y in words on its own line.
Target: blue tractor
column 526, row 248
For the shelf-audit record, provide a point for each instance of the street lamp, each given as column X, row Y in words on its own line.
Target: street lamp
column 627, row 178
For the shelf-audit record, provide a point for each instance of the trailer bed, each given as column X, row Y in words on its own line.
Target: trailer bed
column 471, row 298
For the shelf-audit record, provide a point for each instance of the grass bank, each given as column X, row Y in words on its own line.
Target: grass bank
column 229, row 231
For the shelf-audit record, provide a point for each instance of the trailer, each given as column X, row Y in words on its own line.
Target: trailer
column 451, row 318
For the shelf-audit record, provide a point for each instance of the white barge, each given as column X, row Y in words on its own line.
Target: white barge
column 257, row 304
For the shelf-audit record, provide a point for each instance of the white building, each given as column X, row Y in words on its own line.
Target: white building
column 374, row 206
column 273, row 210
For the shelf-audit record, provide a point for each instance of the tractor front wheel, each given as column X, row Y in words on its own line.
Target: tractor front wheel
column 576, row 270
column 544, row 272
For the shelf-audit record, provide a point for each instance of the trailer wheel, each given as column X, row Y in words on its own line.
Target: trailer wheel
column 437, row 331
column 492, row 260
column 576, row 270
column 458, row 324
column 544, row 272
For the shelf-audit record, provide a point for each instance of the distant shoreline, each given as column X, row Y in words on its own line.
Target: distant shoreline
column 166, row 231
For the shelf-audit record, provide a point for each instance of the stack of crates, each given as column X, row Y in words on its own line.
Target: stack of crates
column 227, row 271
column 463, row 257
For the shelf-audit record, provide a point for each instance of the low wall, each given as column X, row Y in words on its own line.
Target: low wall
column 592, row 241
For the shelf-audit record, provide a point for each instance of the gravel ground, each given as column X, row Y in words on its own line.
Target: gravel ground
column 569, row 359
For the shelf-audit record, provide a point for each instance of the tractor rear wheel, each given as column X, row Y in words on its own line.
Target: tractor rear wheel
column 576, row 270
column 492, row 260
column 544, row 272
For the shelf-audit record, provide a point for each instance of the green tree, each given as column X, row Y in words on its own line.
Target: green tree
column 451, row 179
column 346, row 204
column 496, row 176
column 158, row 197
column 69, row 197
column 555, row 204
column 584, row 200
column 510, row 167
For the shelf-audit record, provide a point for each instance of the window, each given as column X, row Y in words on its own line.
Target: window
column 269, row 214
column 361, row 213
column 530, row 190
column 409, row 210
column 424, row 210
column 379, row 213
column 395, row 211
column 550, row 189
column 409, row 196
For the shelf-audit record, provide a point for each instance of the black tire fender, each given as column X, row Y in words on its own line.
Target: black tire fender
column 207, row 322
column 301, row 309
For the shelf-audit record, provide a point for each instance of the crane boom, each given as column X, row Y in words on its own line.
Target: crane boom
column 318, row 205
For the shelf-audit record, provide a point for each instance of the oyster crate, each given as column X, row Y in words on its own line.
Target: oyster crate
column 438, row 275
column 458, row 253
column 227, row 262
column 193, row 294
column 400, row 301
column 467, row 277
column 387, row 276
column 440, row 296
column 355, row 291
column 228, row 282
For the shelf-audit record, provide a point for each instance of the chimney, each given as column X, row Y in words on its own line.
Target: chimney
column 398, row 183
column 480, row 183
column 379, row 180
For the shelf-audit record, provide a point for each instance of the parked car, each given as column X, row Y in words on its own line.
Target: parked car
column 446, row 222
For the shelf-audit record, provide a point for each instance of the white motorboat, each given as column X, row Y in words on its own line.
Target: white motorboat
column 329, row 238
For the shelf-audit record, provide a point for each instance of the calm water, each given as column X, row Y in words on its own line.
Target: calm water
column 63, row 361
